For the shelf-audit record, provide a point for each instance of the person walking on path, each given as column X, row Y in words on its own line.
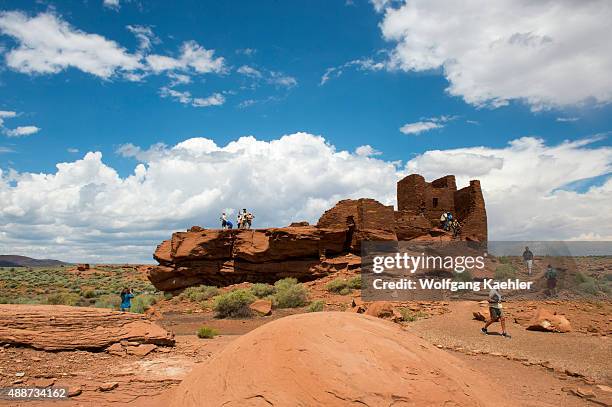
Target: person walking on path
column 126, row 299
column 528, row 259
column 551, row 280
column 496, row 313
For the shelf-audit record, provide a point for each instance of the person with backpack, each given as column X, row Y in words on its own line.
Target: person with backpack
column 445, row 220
column 126, row 299
column 528, row 259
column 496, row 314
column 551, row 280
column 247, row 219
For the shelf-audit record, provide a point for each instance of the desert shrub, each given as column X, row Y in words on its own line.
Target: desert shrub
column 261, row 290
column 316, row 306
column 168, row 295
column 63, row 299
column 463, row 276
column 142, row 302
column 608, row 277
column 504, row 260
column 505, row 271
column 111, row 301
column 199, row 293
column 589, row 287
column 355, row 283
column 233, row 304
column 206, row 332
column 582, row 278
column 339, row 286
column 289, row 294
column 409, row 316
column 89, row 293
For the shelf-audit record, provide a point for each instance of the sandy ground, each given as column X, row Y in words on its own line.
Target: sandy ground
column 542, row 369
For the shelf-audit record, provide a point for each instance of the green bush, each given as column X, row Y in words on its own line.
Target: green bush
column 261, row 290
column 582, row 278
column 463, row 276
column 589, row 287
column 316, row 306
column 505, row 271
column 289, row 294
column 142, row 302
column 89, row 293
column 410, row 316
column 233, row 304
column 63, row 299
column 504, row 260
column 355, row 283
column 199, row 293
column 338, row 286
column 111, row 301
column 206, row 332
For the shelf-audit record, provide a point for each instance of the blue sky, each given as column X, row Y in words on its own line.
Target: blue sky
column 287, row 48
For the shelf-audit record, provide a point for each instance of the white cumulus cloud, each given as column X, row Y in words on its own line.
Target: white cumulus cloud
column 426, row 125
column 548, row 54
column 101, row 216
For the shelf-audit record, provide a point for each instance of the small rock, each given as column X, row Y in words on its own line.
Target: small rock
column 19, row 374
column 108, row 386
column 74, row 391
column 604, row 388
column 141, row 350
column 116, row 349
column 584, row 393
column 262, row 307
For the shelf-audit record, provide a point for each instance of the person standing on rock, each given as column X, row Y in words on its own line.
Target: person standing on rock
column 247, row 219
column 239, row 220
column 496, row 313
column 223, row 221
column 126, row 299
column 528, row 259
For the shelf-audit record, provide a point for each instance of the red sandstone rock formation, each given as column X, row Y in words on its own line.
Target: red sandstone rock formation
column 60, row 327
column 220, row 257
column 333, row 359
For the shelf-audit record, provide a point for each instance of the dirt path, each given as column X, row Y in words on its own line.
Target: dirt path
column 586, row 355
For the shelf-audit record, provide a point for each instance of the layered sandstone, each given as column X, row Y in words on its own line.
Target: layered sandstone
column 61, row 327
column 306, row 252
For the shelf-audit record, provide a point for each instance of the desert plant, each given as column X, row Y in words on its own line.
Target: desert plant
column 409, row 316
column 199, row 293
column 463, row 276
column 355, row 283
column 63, row 299
column 339, row 286
column 289, row 294
column 316, row 306
column 261, row 290
column 233, row 304
column 108, row 301
column 206, row 332
column 505, row 271
column 142, row 302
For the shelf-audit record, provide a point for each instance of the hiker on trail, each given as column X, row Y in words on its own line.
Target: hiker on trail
column 496, row 313
column 223, row 221
column 229, row 224
column 126, row 299
column 528, row 259
column 551, row 280
column 445, row 220
column 247, row 219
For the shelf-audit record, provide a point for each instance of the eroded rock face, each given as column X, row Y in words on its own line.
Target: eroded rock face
column 306, row 252
column 60, row 327
column 221, row 257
